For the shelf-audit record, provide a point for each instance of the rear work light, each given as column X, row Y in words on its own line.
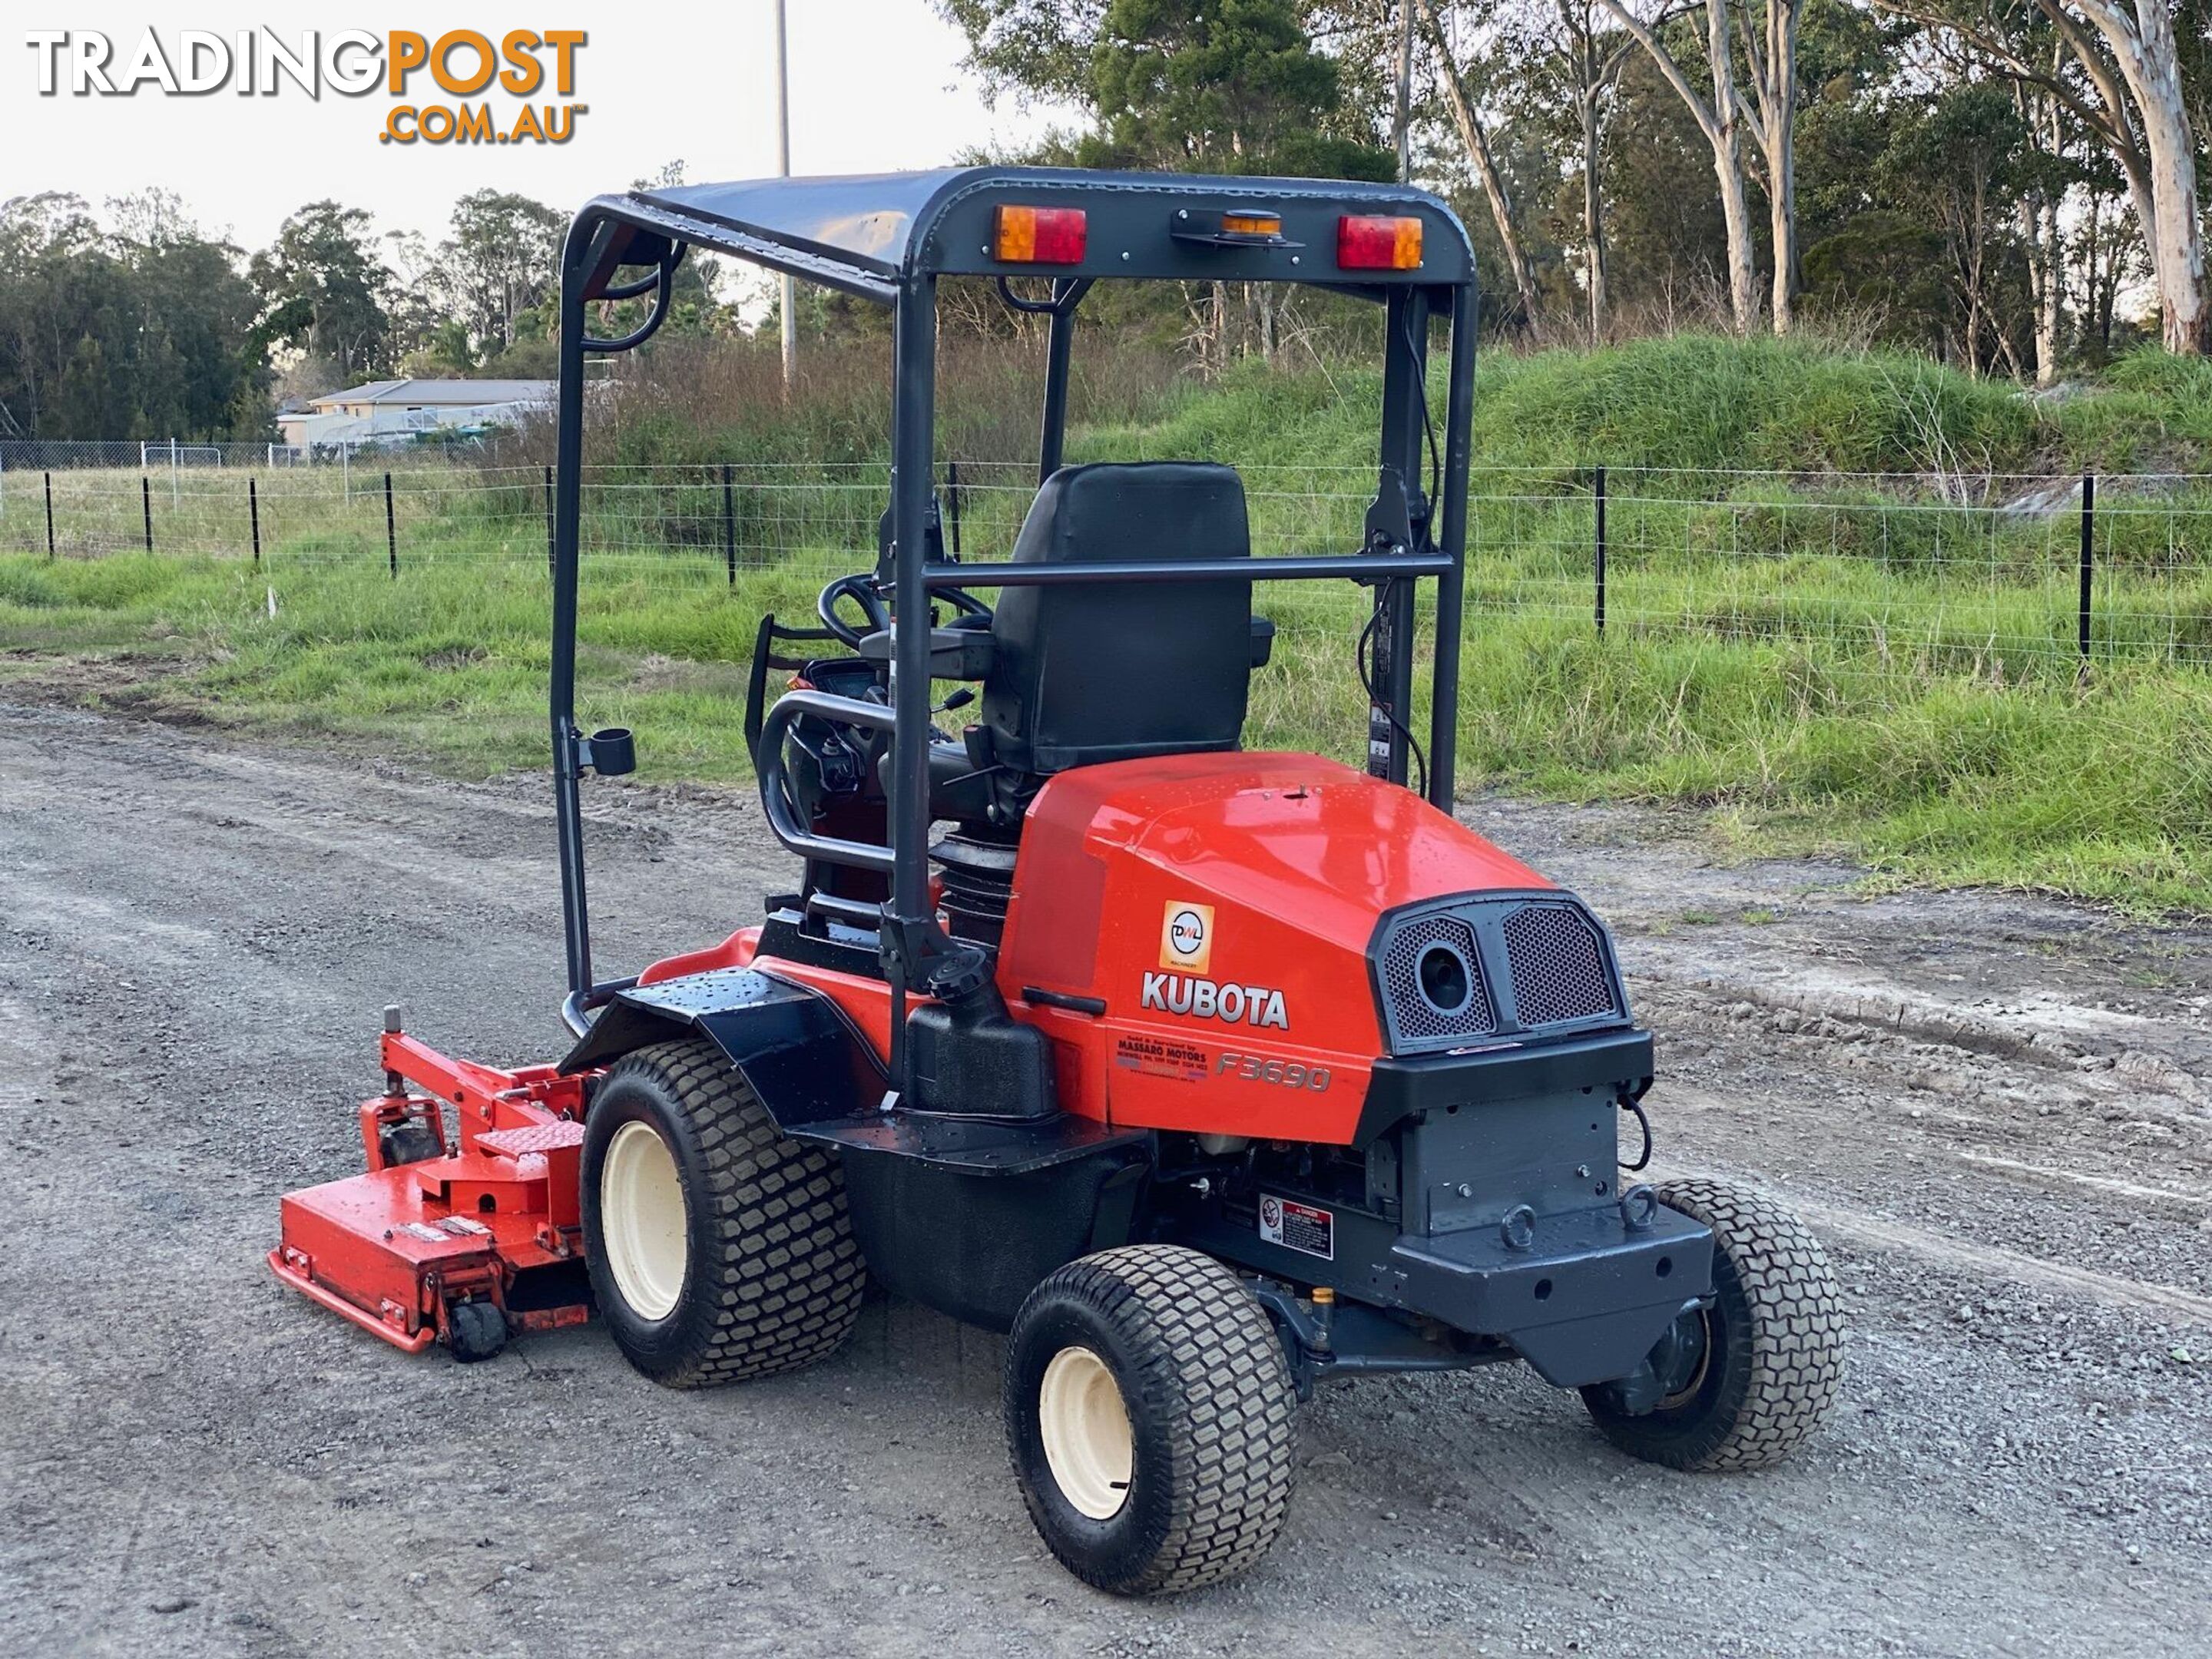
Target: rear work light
column 1378, row 242
column 1040, row 236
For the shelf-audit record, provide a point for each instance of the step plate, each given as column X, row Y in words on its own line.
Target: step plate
column 539, row 1138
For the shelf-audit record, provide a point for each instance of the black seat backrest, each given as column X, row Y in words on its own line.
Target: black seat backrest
column 1102, row 671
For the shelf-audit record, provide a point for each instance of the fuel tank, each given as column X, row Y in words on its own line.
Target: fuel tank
column 1236, row 939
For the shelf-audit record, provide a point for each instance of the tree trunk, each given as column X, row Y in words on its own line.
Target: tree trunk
column 2038, row 236
column 2179, row 244
column 2039, row 227
column 1781, row 219
column 1720, row 122
column 1777, row 99
column 1975, row 236
column 2142, row 46
column 1728, row 168
column 1478, row 149
column 1593, row 221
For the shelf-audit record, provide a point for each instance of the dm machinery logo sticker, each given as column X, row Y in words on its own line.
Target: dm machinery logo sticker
column 465, row 69
column 1187, row 953
column 1186, row 937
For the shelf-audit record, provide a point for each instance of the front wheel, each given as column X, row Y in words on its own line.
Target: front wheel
column 1742, row 1383
column 1151, row 1418
column 719, row 1248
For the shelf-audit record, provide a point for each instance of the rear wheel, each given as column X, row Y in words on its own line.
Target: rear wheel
column 1741, row 1384
column 1151, row 1418
column 719, row 1248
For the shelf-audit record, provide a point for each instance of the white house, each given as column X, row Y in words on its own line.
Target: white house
column 392, row 411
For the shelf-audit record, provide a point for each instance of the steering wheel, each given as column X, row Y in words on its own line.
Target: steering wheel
column 964, row 602
column 860, row 589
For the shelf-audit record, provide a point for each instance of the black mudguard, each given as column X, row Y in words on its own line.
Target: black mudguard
column 790, row 1044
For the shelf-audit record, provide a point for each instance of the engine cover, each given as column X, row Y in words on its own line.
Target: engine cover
column 1235, row 914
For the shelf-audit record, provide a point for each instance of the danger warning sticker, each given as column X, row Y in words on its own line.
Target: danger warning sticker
column 1161, row 1057
column 1304, row 1227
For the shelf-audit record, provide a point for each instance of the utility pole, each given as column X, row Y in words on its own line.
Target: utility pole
column 783, row 170
column 1405, row 91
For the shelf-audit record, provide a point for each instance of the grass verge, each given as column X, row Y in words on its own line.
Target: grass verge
column 1931, row 765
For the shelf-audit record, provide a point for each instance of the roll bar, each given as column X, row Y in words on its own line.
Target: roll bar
column 1411, row 532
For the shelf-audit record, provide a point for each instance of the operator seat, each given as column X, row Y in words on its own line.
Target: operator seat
column 1104, row 671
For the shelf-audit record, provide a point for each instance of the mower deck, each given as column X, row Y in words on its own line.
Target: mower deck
column 494, row 1220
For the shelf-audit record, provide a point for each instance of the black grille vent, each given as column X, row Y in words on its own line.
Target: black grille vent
column 1557, row 964
column 1416, row 1013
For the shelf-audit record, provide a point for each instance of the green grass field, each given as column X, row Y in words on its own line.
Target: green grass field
column 1813, row 661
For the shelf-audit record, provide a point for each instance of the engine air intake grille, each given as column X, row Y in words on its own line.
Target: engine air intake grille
column 1432, row 981
column 1558, row 965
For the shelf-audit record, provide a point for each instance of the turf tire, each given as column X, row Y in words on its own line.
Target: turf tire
column 772, row 1275
column 1212, row 1418
column 1774, row 1355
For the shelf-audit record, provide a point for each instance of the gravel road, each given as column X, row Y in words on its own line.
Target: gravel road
column 1996, row 1110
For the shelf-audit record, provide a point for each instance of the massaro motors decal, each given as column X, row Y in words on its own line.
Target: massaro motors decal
column 1186, row 954
column 264, row 63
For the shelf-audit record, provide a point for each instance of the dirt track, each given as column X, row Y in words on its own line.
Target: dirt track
column 1997, row 1111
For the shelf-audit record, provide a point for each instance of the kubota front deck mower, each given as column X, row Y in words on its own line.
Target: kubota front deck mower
column 1208, row 1075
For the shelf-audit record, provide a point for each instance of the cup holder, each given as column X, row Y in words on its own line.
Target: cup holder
column 611, row 751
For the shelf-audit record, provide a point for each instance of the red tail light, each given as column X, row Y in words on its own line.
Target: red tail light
column 1041, row 236
column 1378, row 242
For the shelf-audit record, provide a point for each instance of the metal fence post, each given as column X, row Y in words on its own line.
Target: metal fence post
column 253, row 511
column 391, row 533
column 146, row 502
column 549, row 521
column 1598, row 493
column 729, row 525
column 2088, row 555
column 50, row 515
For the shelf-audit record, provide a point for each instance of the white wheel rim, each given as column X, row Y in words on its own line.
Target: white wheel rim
column 1088, row 1444
column 642, row 1220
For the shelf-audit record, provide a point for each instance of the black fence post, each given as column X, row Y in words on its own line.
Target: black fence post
column 549, row 521
column 729, row 525
column 1598, row 492
column 50, row 515
column 2088, row 557
column 254, row 512
column 146, row 505
column 391, row 532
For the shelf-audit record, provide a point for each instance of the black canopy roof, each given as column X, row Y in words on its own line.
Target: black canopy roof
column 868, row 233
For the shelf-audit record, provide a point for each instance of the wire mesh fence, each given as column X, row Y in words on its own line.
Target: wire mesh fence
column 158, row 455
column 1996, row 576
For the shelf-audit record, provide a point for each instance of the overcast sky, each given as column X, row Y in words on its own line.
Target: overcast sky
column 875, row 86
